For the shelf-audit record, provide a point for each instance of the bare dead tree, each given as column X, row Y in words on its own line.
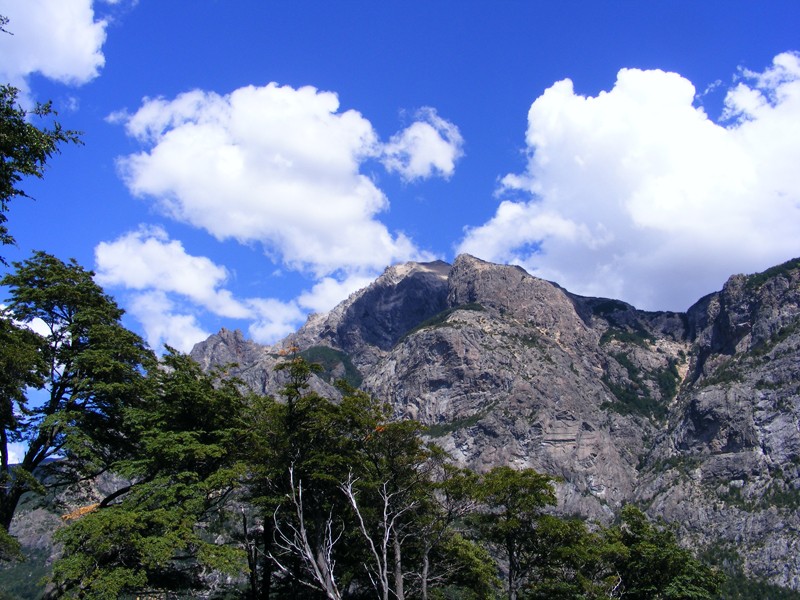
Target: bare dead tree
column 293, row 537
column 384, row 536
column 451, row 503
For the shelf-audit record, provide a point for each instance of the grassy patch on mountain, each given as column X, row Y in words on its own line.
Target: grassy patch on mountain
column 781, row 335
column 605, row 308
column 637, row 336
column 633, row 396
column 725, row 373
column 737, row 586
column 23, row 580
column 667, row 380
column 330, row 359
column 442, row 429
column 756, row 280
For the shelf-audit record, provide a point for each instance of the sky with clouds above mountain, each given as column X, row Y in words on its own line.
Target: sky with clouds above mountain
column 246, row 163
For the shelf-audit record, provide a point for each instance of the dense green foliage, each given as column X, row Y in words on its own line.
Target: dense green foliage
column 24, row 149
column 440, row 319
column 224, row 493
column 182, row 469
column 654, row 566
column 85, row 368
column 513, row 523
column 22, row 579
column 347, row 495
column 331, row 360
column 739, row 587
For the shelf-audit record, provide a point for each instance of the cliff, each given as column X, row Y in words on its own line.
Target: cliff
column 693, row 416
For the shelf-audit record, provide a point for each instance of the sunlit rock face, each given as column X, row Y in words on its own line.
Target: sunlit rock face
column 694, row 416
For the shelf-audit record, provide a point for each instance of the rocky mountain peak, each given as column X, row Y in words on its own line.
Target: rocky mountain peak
column 373, row 319
column 227, row 347
column 694, row 416
column 746, row 314
column 513, row 292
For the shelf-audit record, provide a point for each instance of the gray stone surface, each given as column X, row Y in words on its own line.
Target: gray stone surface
column 692, row 415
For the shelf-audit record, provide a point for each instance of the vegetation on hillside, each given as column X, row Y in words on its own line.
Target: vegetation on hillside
column 223, row 492
column 302, row 497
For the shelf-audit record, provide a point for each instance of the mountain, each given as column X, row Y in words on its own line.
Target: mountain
column 692, row 416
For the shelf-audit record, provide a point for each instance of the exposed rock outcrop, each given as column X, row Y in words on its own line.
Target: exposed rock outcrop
column 692, row 415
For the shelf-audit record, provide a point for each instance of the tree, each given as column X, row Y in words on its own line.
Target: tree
column 24, row 148
column 86, row 369
column 314, row 549
column 464, row 570
column 159, row 531
column 295, row 445
column 21, row 366
column 655, row 567
column 511, row 518
column 567, row 562
column 341, row 491
column 447, row 558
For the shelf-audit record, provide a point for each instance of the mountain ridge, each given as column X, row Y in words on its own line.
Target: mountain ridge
column 693, row 416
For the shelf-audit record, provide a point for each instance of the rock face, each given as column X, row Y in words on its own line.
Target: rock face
column 694, row 416
column 727, row 462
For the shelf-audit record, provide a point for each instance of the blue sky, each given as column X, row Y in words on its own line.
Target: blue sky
column 248, row 162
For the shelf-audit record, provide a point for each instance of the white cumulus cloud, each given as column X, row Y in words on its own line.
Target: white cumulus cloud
column 329, row 291
column 163, row 323
column 428, row 146
column 636, row 193
column 277, row 166
column 274, row 319
column 167, row 289
column 274, row 165
column 147, row 259
column 16, row 452
column 59, row 39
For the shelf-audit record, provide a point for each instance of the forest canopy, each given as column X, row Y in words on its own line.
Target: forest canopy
column 223, row 492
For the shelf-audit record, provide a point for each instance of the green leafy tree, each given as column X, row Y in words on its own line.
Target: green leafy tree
column 21, row 366
column 655, row 567
column 302, row 447
column 86, row 369
column 462, row 570
column 24, row 148
column 159, row 532
column 568, row 562
column 511, row 519
column 449, row 560
column 389, row 500
column 346, row 497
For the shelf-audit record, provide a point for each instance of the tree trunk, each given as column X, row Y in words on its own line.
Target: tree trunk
column 8, row 503
column 4, row 450
column 513, row 582
column 513, row 570
column 5, row 480
column 12, row 489
column 328, row 583
column 426, row 567
column 266, row 561
column 398, row 569
column 252, row 560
